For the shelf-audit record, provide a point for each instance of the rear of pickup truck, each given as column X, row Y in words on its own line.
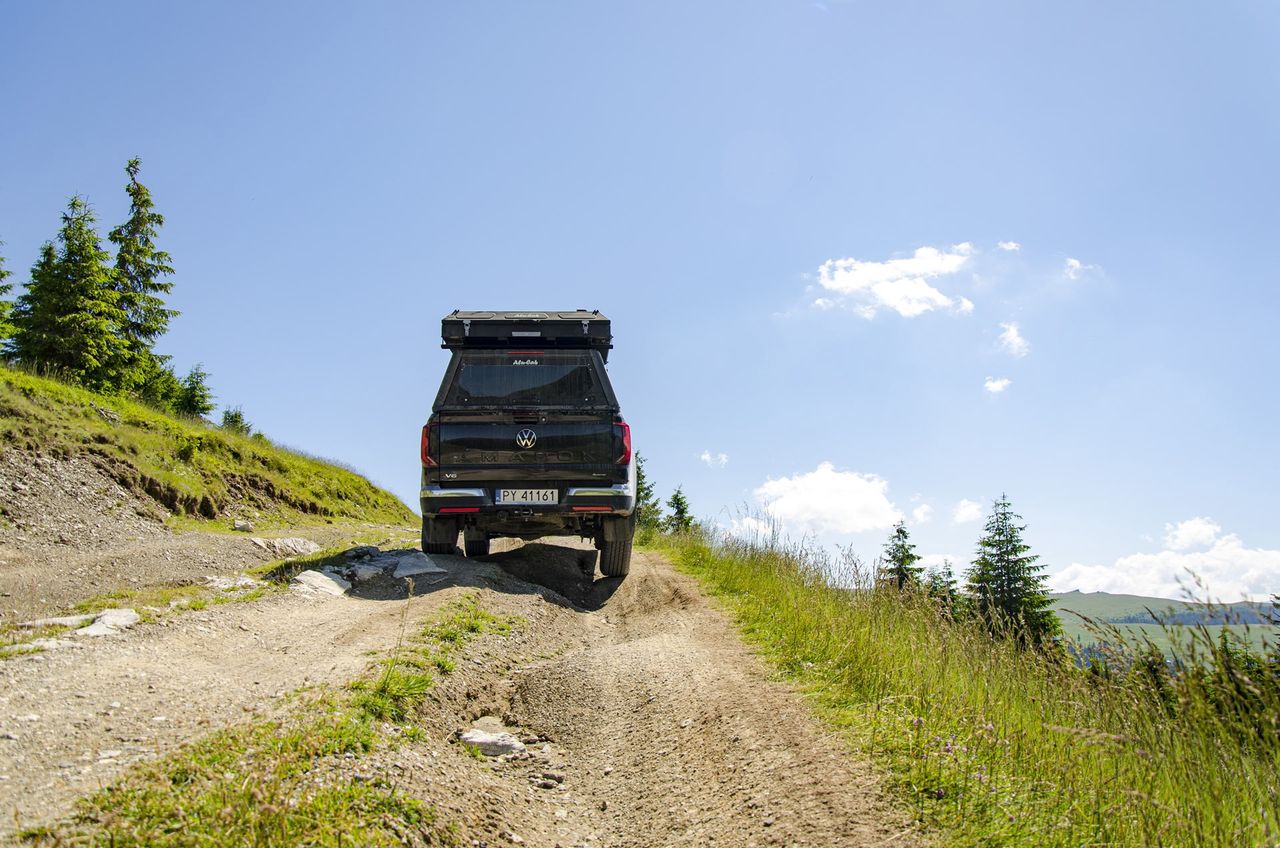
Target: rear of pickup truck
column 527, row 443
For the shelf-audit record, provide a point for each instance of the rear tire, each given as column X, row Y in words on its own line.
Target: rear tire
column 439, row 535
column 615, row 554
column 476, row 547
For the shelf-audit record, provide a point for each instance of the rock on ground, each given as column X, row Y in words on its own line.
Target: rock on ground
column 319, row 581
column 364, row 573
column 492, row 744
column 289, row 547
column 109, row 622
column 58, row 621
column 411, row 565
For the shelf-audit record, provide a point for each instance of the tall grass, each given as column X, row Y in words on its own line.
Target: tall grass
column 993, row 745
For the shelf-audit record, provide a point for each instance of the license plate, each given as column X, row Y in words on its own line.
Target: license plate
column 528, row 496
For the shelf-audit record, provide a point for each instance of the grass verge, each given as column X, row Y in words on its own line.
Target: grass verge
column 295, row 780
column 189, row 466
column 991, row 745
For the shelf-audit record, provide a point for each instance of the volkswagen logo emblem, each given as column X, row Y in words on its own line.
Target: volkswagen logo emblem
column 526, row 438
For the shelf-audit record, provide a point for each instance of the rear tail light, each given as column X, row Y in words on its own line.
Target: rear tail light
column 427, row 461
column 623, row 430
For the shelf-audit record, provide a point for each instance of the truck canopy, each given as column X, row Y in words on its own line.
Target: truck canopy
column 580, row 329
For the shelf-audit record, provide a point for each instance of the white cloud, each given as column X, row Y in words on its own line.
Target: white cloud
column 921, row 514
column 997, row 386
column 713, row 460
column 828, row 501
column 1010, row 246
column 1228, row 570
column 1192, row 533
column 1074, row 268
column 966, row 512
column 898, row 284
column 751, row 529
column 932, row 562
column 1012, row 340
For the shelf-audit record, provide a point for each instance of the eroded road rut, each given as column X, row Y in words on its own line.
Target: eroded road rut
column 665, row 728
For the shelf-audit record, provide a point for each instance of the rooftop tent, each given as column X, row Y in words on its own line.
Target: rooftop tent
column 539, row 330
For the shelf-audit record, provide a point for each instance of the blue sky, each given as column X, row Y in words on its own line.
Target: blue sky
column 793, row 211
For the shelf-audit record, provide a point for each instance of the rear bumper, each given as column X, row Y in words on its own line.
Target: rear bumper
column 467, row 501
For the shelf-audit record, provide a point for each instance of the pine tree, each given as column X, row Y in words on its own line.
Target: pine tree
column 899, row 563
column 194, row 398
column 154, row 382
column 69, row 318
column 6, row 328
column 1005, row 585
column 140, row 279
column 941, row 586
column 680, row 520
column 233, row 419
column 648, row 510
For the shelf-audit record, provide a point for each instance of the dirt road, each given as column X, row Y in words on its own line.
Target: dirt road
column 663, row 727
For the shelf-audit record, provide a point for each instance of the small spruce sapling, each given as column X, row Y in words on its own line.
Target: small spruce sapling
column 680, row 520
column 233, row 419
column 899, row 567
column 195, row 398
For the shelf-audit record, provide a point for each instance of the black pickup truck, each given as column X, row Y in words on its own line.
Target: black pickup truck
column 526, row 438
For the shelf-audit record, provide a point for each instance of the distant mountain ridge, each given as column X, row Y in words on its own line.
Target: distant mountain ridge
column 1136, row 609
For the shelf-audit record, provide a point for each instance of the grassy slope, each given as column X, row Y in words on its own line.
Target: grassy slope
column 994, row 746
column 189, row 466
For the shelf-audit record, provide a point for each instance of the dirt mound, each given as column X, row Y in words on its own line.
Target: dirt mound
column 52, row 501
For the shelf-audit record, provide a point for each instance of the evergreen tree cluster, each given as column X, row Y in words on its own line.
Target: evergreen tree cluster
column 1004, row 587
column 93, row 318
column 648, row 510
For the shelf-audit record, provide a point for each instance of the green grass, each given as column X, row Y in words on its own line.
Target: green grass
column 14, row 640
column 192, row 468
column 291, row 781
column 989, row 745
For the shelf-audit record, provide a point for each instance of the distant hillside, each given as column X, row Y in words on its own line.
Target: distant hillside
column 1159, row 619
column 1136, row 609
column 188, row 466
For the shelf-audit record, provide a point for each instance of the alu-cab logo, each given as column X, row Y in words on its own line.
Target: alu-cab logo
column 526, row 439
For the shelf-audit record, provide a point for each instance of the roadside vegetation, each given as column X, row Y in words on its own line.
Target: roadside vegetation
column 986, row 723
column 298, row 779
column 186, row 464
column 81, row 374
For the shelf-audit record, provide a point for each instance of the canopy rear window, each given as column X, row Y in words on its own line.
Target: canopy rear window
column 512, row 378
